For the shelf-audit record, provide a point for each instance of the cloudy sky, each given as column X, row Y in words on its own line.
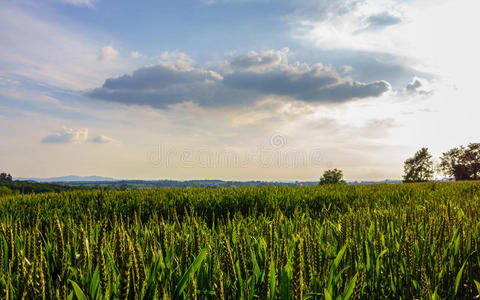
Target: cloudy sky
column 234, row 89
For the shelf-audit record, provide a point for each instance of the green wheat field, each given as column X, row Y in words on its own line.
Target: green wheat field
column 405, row 241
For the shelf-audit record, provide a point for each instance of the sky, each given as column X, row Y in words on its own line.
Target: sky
column 234, row 89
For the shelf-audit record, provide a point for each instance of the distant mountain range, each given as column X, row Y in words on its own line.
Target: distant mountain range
column 70, row 178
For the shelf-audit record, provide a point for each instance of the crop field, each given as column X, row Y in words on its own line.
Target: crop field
column 405, row 241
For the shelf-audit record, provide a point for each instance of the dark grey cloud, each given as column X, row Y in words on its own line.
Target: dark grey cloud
column 167, row 84
column 160, row 76
column 314, row 85
column 367, row 66
column 212, row 94
column 351, row 90
column 287, row 82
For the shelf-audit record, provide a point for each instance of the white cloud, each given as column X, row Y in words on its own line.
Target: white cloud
column 102, row 139
column 419, row 86
column 67, row 136
column 176, row 56
column 88, row 3
column 347, row 24
column 135, row 54
column 107, row 53
column 254, row 61
column 435, row 36
column 39, row 47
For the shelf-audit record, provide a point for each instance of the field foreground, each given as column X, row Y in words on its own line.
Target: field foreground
column 333, row 242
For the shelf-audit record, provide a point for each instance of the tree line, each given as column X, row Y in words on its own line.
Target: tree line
column 459, row 163
column 8, row 186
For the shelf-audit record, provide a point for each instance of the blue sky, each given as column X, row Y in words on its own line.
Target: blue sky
column 233, row 89
column 204, row 30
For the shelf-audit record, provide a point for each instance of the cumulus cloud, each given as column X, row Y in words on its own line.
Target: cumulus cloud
column 107, row 53
column 252, row 77
column 312, row 84
column 417, row 86
column 67, row 136
column 176, row 56
column 102, row 139
column 161, row 76
column 254, row 60
column 135, row 54
column 413, row 86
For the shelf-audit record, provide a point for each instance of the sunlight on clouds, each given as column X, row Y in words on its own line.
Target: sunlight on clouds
column 443, row 37
column 439, row 35
column 363, row 25
column 67, row 135
column 107, row 53
column 438, row 38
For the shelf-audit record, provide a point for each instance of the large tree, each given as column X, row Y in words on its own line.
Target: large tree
column 334, row 176
column 419, row 168
column 472, row 160
column 462, row 163
column 5, row 176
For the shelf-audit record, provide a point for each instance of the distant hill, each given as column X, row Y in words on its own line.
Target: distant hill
column 70, row 178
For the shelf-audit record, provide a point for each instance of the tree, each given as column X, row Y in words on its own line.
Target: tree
column 462, row 163
column 472, row 160
column 5, row 176
column 334, row 176
column 418, row 168
column 451, row 163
